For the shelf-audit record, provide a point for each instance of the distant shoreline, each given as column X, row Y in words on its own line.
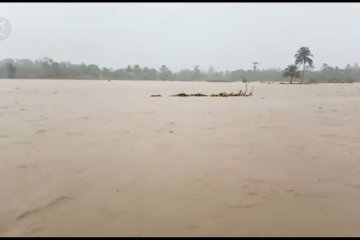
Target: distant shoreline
column 190, row 81
column 142, row 80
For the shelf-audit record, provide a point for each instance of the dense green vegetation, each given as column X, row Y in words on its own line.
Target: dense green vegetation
column 47, row 68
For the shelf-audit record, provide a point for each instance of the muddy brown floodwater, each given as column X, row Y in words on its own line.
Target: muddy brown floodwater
column 99, row 158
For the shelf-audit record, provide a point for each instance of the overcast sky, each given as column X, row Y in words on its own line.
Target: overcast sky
column 228, row 36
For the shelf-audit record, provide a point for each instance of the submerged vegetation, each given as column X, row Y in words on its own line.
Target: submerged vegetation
column 222, row 94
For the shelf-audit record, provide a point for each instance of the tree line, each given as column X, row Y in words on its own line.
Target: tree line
column 47, row 68
column 327, row 73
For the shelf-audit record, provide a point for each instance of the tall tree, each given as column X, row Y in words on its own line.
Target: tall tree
column 254, row 67
column 130, row 73
column 303, row 56
column 211, row 72
column 137, row 71
column 291, row 71
column 196, row 73
column 11, row 70
column 165, row 73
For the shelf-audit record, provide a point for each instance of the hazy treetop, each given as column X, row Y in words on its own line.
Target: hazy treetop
column 225, row 35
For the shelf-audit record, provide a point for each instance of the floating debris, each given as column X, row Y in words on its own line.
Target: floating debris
column 222, row 94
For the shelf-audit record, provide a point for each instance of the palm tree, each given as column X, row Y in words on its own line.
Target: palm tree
column 255, row 63
column 291, row 71
column 302, row 57
column 196, row 73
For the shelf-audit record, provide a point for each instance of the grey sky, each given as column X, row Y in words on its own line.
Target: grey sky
column 228, row 36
